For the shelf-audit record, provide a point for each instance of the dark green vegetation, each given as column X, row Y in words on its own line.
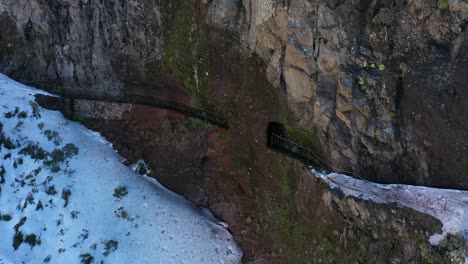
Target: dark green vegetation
column 120, row 192
column 86, row 258
column 110, row 246
column 187, row 54
column 19, row 237
column 66, row 196
column 54, row 159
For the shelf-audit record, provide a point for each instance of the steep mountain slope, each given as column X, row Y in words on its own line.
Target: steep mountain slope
column 66, row 197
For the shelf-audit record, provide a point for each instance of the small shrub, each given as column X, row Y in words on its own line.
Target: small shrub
column 22, row 114
column 122, row 213
column 20, row 224
column 35, row 109
column 32, row 240
column 110, row 246
column 443, row 4
column 54, row 136
column 51, row 190
column 6, row 217
column 66, row 196
column 9, row 115
column 55, row 158
column 18, row 239
column 2, row 175
column 8, row 143
column 85, row 234
column 166, row 124
column 120, row 192
column 86, row 258
column 37, row 171
column 40, row 125
column 19, row 124
column 34, row 151
column 74, row 214
column 39, row 206
column 183, row 128
column 70, row 150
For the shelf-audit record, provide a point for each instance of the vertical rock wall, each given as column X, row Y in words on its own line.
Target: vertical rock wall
column 381, row 82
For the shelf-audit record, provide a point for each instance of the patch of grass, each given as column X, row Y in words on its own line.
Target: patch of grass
column 85, row 234
column 34, row 151
column 86, row 258
column 32, row 240
column 39, row 206
column 54, row 136
column 2, row 175
column 443, row 4
column 110, row 246
column 18, row 239
column 6, row 217
column 7, row 142
column 122, row 213
column 29, row 200
column 19, row 124
column 51, row 190
column 74, row 214
column 20, row 224
column 120, row 192
column 59, row 156
column 9, row 115
column 166, row 124
column 70, row 150
column 12, row 114
column 35, row 109
column 66, row 196
column 22, row 114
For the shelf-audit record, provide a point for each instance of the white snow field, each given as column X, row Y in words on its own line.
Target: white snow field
column 449, row 206
column 66, row 197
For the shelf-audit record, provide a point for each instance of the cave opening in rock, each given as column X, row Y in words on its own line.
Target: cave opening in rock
column 295, row 142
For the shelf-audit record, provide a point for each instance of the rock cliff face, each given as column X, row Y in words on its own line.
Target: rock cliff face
column 380, row 82
column 86, row 44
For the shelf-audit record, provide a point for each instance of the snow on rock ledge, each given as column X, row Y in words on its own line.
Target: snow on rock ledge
column 449, row 206
column 66, row 197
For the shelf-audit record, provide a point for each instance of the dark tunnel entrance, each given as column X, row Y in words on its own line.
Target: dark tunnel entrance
column 297, row 143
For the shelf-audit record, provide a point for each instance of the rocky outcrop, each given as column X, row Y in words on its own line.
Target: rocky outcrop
column 78, row 44
column 354, row 72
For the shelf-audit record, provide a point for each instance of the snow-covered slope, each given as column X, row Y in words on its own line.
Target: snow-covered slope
column 449, row 206
column 66, row 197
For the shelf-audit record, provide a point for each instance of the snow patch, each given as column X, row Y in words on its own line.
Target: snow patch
column 66, row 197
column 449, row 206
